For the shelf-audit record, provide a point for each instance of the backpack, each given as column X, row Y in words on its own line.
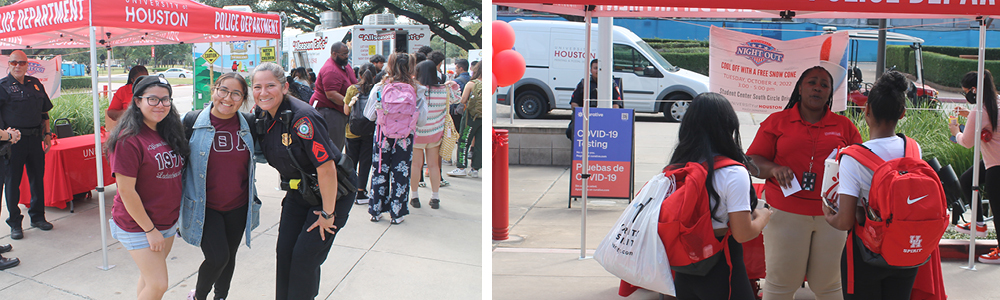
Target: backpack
column 685, row 225
column 399, row 114
column 906, row 212
column 356, row 121
column 474, row 107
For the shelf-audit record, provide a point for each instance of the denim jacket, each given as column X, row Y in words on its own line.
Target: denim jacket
column 195, row 170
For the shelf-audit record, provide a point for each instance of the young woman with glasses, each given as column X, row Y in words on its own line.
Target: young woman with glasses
column 147, row 155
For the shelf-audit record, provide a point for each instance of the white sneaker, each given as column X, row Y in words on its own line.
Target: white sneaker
column 191, row 295
column 474, row 174
column 457, row 173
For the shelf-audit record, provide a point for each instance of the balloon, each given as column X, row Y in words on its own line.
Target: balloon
column 503, row 36
column 508, row 67
column 494, row 83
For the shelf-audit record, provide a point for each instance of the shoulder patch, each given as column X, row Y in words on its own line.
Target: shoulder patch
column 319, row 151
column 304, row 128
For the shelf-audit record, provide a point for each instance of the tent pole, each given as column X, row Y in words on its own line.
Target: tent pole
column 586, row 132
column 99, row 158
column 983, row 22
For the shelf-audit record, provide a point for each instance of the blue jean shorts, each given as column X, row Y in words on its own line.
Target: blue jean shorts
column 136, row 240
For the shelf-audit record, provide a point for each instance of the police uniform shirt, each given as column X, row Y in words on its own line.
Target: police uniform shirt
column 310, row 142
column 22, row 105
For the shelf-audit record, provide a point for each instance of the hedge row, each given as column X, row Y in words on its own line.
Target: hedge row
column 939, row 68
column 991, row 53
column 696, row 62
column 82, row 82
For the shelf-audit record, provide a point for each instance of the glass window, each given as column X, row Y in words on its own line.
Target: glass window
column 629, row 60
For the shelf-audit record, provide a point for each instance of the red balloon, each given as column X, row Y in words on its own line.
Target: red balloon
column 494, row 83
column 508, row 67
column 503, row 36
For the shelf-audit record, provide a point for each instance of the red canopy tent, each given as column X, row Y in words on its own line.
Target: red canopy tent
column 87, row 23
column 983, row 10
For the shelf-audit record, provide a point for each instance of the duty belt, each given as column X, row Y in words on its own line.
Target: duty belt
column 30, row 131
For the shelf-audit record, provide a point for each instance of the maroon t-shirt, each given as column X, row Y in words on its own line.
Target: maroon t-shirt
column 228, row 181
column 332, row 77
column 157, row 172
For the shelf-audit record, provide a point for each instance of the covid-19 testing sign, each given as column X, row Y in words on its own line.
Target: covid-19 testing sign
column 611, row 153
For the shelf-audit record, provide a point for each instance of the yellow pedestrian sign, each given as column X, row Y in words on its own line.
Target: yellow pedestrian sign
column 267, row 54
column 210, row 55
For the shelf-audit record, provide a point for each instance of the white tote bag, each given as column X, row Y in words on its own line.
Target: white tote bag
column 633, row 250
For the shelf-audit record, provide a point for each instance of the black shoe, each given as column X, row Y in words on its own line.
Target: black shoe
column 415, row 202
column 16, row 233
column 362, row 198
column 43, row 225
column 6, row 248
column 435, row 203
column 8, row 262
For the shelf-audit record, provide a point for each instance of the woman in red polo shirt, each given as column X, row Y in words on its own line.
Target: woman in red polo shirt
column 791, row 145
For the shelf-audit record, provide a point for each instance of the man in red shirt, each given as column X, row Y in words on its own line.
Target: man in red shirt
column 332, row 82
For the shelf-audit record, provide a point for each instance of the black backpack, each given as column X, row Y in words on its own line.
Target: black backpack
column 357, row 122
column 191, row 116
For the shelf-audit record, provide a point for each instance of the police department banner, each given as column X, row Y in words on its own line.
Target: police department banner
column 49, row 72
column 757, row 74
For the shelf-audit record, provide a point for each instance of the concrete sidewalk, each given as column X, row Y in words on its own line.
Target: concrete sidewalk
column 434, row 254
column 542, row 258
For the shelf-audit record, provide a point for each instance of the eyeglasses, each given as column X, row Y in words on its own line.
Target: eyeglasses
column 18, row 63
column 153, row 101
column 344, row 54
column 223, row 93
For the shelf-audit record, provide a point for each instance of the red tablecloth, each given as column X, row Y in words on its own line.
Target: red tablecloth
column 69, row 169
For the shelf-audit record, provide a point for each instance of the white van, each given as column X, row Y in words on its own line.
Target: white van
column 554, row 55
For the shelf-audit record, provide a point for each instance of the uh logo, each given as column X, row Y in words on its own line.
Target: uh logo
column 915, row 246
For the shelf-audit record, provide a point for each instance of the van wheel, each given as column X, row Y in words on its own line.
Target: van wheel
column 674, row 110
column 530, row 105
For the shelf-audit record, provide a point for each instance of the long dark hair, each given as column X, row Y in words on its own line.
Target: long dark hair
column 710, row 127
column 887, row 98
column 170, row 128
column 796, row 98
column 134, row 73
column 427, row 73
column 476, row 70
column 367, row 79
column 989, row 92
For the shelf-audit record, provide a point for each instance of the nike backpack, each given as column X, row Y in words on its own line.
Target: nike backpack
column 685, row 222
column 906, row 211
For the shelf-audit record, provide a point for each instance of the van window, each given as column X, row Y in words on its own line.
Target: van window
column 655, row 55
column 629, row 60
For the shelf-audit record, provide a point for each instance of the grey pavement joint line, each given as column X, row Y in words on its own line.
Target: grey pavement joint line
column 538, row 199
column 357, row 262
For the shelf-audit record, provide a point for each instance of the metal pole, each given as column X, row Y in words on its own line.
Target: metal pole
column 604, row 41
column 880, row 58
column 586, row 135
column 99, row 158
column 979, row 124
column 501, row 192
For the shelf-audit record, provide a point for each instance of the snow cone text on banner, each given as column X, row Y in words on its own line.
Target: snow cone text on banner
column 757, row 74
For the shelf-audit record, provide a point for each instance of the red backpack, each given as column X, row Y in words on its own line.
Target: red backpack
column 906, row 213
column 685, row 222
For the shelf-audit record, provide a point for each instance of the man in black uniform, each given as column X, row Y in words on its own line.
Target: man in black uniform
column 287, row 128
column 25, row 106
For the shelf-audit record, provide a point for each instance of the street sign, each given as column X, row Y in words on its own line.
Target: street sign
column 267, row 54
column 210, row 55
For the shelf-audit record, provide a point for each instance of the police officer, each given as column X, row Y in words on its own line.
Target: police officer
column 294, row 140
column 24, row 105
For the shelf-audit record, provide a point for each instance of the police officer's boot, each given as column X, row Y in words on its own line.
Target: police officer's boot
column 7, row 263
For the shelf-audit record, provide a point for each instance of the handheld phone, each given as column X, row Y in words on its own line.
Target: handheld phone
column 830, row 204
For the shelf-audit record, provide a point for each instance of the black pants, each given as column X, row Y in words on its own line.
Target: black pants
column 26, row 153
column 719, row 283
column 300, row 253
column 989, row 180
column 360, row 152
column 871, row 282
column 223, row 232
column 471, row 129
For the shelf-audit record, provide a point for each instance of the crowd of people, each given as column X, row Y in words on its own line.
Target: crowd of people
column 330, row 136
